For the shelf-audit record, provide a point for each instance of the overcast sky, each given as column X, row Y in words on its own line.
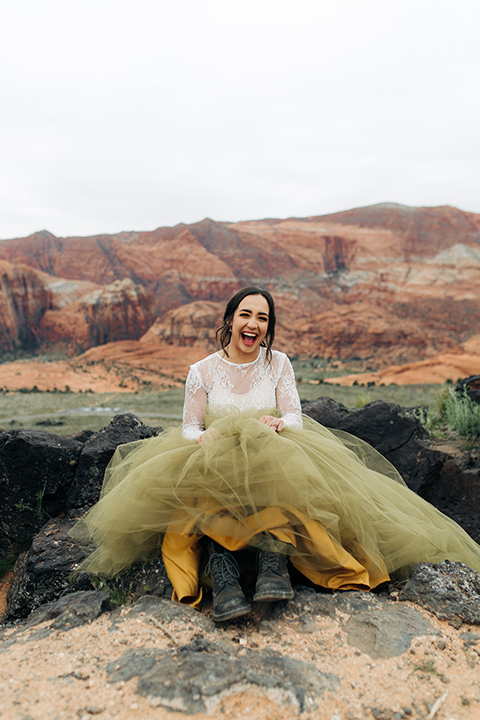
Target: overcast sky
column 131, row 114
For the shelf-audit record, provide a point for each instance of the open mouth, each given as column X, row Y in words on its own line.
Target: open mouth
column 249, row 338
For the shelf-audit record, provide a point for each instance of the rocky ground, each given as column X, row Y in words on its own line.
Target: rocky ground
column 409, row 651
column 349, row 656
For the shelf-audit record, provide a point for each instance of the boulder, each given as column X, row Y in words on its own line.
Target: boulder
column 48, row 571
column 45, row 572
column 457, row 494
column 394, row 431
column 372, row 622
column 384, row 425
column 452, row 485
column 36, row 470
column 450, row 590
column 72, row 610
column 96, row 453
column 191, row 677
column 43, row 475
column 71, row 476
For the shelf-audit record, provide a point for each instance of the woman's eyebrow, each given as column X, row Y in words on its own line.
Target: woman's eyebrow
column 264, row 314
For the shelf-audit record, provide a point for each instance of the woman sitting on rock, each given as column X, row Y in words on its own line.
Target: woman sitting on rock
column 246, row 471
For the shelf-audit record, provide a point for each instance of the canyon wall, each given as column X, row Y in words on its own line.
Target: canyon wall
column 386, row 283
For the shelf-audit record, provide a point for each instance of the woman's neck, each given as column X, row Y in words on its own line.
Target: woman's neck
column 233, row 355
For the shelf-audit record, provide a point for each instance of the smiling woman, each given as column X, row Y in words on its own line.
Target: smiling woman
column 248, row 328
column 248, row 322
column 247, row 473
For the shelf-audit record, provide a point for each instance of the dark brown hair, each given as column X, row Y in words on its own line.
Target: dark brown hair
column 223, row 333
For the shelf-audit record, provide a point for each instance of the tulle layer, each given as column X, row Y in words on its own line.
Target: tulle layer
column 301, row 492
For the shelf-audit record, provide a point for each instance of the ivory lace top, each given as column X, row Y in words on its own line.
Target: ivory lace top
column 223, row 386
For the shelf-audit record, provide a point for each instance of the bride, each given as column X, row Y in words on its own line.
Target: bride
column 247, row 472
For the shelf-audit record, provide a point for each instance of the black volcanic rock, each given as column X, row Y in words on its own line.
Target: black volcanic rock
column 383, row 425
column 185, row 679
column 97, row 453
column 48, row 571
column 45, row 572
column 469, row 386
column 398, row 435
column 72, row 610
column 36, row 470
column 43, row 475
column 450, row 590
column 64, row 477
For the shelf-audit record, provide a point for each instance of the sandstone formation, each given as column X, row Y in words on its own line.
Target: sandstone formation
column 383, row 284
column 437, row 369
column 189, row 325
column 119, row 311
column 24, row 299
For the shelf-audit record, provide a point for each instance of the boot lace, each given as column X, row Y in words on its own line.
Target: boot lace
column 224, row 566
column 267, row 560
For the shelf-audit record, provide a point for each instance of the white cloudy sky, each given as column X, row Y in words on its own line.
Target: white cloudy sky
column 130, row 114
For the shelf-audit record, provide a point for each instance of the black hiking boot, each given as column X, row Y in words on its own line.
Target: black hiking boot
column 228, row 599
column 273, row 581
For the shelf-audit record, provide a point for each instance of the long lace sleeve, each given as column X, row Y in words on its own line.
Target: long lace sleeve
column 194, row 405
column 288, row 400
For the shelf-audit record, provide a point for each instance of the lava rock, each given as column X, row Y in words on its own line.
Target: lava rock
column 147, row 579
column 46, row 571
column 386, row 632
column 457, row 494
column 374, row 624
column 97, row 452
column 72, row 610
column 169, row 613
column 384, row 425
column 397, row 434
column 450, row 590
column 36, row 470
column 190, row 678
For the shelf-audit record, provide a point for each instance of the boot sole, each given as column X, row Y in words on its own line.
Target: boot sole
column 272, row 597
column 232, row 614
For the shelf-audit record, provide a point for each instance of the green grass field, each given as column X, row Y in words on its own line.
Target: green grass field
column 67, row 413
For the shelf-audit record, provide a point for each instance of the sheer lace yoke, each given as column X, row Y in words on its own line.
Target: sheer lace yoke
column 223, row 385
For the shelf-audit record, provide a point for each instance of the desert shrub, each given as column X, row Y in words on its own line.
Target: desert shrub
column 362, row 399
column 461, row 413
column 425, row 417
column 441, row 401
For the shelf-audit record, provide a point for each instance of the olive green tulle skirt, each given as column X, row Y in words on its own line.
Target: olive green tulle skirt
column 328, row 500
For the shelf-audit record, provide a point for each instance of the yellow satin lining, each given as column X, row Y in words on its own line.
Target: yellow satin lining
column 312, row 551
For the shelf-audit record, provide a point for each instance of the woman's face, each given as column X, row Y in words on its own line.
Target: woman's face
column 249, row 327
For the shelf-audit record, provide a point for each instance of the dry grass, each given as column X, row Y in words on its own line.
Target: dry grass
column 67, row 413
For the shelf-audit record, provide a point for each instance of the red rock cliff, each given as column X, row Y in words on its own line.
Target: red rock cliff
column 23, row 302
column 384, row 283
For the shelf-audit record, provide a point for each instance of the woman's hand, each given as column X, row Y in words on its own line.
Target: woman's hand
column 275, row 423
column 209, row 435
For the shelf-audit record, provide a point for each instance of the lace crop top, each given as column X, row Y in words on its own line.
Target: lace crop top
column 223, row 386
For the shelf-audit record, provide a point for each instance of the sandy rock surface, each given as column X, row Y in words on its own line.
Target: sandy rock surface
column 338, row 657
column 437, row 369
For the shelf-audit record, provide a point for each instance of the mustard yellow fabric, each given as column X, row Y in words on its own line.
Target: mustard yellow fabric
column 329, row 501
